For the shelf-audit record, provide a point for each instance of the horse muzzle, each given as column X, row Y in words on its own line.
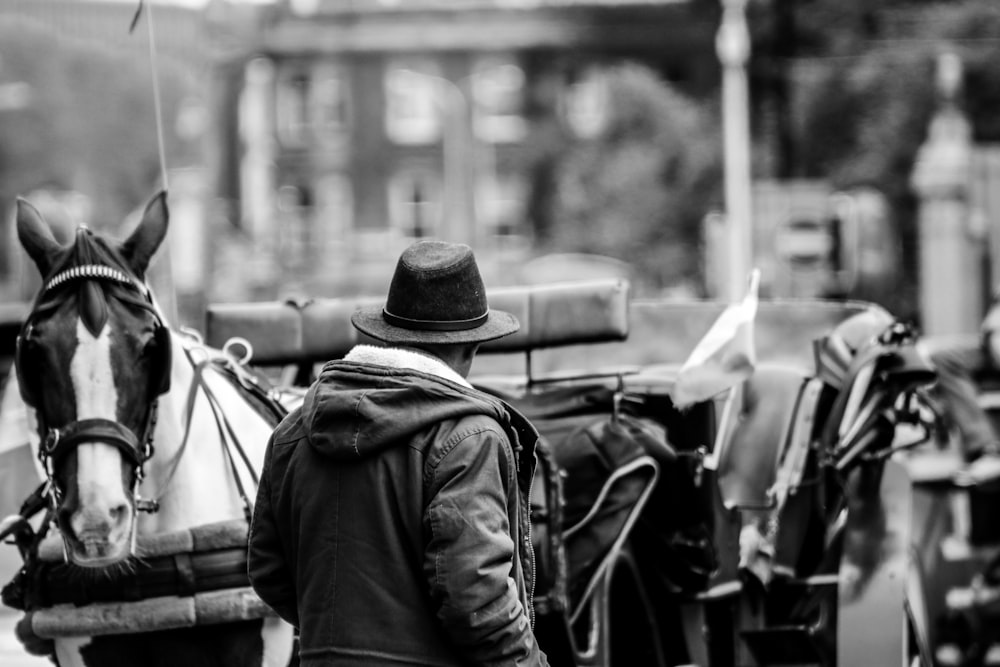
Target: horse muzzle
column 96, row 552
column 97, row 538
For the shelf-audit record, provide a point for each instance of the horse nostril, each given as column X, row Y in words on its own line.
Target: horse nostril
column 118, row 512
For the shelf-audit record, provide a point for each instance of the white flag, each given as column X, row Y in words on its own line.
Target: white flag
column 725, row 356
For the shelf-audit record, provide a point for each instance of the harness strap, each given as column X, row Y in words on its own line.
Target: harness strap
column 233, row 438
column 59, row 443
column 222, row 424
column 863, row 359
column 227, row 434
column 198, row 368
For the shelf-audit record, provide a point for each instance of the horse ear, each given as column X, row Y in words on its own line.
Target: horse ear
column 36, row 236
column 140, row 247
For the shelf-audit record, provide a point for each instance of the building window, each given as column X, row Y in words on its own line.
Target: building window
column 413, row 107
column 292, row 106
column 330, row 105
column 334, row 211
column 312, row 104
column 415, row 203
column 500, row 204
column 585, row 104
column 296, row 210
column 498, row 94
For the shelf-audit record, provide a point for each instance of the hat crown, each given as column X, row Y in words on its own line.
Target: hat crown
column 436, row 283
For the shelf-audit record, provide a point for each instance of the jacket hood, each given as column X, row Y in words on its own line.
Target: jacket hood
column 377, row 398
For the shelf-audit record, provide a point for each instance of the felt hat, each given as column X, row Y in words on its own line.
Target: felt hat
column 436, row 297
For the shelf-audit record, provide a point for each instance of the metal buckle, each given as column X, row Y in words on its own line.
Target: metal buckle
column 48, row 445
column 147, row 505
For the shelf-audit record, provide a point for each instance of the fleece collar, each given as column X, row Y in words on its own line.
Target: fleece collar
column 394, row 357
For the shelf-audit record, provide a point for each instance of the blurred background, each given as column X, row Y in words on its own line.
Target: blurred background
column 850, row 149
column 308, row 141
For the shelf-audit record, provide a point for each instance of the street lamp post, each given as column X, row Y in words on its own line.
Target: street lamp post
column 733, row 48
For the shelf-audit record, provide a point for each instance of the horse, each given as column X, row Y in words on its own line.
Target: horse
column 143, row 434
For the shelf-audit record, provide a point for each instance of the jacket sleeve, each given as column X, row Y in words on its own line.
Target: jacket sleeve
column 267, row 564
column 470, row 555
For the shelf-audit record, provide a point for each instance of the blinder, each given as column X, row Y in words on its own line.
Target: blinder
column 160, row 376
column 27, row 388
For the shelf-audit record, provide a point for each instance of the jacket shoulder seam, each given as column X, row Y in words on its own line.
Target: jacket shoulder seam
column 357, row 424
column 453, row 440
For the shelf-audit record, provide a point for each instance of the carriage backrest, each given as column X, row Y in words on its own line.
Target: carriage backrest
column 578, row 327
column 281, row 333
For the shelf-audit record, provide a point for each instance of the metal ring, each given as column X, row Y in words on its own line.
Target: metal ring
column 239, row 340
column 50, row 442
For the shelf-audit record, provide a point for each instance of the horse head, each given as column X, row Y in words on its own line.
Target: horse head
column 92, row 359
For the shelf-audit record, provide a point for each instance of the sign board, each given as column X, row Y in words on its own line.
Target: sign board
column 804, row 240
column 793, row 239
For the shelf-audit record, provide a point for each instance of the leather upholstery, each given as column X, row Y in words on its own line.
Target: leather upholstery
column 321, row 329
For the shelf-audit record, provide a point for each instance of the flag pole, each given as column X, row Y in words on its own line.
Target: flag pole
column 733, row 49
column 160, row 274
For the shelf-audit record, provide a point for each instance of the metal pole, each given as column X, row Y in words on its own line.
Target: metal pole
column 455, row 172
column 733, row 48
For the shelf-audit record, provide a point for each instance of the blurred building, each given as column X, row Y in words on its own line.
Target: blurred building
column 810, row 240
column 345, row 129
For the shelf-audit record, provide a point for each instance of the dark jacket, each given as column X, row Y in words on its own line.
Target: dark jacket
column 391, row 522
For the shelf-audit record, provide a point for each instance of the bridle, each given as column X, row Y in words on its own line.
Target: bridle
column 58, row 442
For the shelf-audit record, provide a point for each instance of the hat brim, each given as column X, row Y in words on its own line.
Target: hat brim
column 369, row 321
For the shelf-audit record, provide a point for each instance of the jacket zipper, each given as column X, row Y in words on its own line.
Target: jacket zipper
column 526, row 517
column 531, row 554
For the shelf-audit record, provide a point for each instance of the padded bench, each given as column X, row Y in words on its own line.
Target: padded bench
column 315, row 331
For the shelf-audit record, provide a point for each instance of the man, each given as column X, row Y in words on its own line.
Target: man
column 391, row 523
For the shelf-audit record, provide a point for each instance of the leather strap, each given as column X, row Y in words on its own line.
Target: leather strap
column 59, row 443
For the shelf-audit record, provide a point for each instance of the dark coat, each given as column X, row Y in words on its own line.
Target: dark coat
column 391, row 522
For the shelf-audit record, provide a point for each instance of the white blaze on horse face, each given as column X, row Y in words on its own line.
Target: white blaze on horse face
column 100, row 516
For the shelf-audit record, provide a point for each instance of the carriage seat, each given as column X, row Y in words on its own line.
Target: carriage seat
column 317, row 330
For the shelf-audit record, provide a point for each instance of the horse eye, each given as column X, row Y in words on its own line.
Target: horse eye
column 150, row 346
column 30, row 349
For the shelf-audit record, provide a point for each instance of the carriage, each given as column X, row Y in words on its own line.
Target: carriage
column 767, row 524
column 642, row 557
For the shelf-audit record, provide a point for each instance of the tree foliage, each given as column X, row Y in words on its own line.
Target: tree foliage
column 862, row 91
column 639, row 190
column 89, row 124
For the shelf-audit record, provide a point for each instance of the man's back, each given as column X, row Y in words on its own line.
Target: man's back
column 378, row 486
